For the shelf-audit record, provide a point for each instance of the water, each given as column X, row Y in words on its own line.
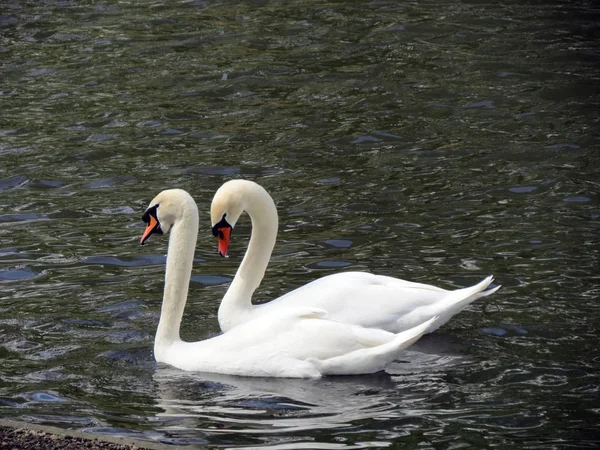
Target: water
column 434, row 141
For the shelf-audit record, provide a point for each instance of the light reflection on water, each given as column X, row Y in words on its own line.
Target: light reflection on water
column 255, row 408
column 435, row 141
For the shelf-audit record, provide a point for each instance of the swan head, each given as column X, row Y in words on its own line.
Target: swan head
column 164, row 210
column 227, row 206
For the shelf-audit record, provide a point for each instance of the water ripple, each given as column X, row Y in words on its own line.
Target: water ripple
column 403, row 139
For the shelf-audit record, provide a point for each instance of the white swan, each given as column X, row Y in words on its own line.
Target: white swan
column 293, row 342
column 358, row 298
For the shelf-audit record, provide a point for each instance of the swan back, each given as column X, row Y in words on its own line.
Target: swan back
column 297, row 342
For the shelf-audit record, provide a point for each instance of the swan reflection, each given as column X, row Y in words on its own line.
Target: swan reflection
column 272, row 405
column 206, row 404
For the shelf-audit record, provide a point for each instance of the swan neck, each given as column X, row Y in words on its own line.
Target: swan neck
column 263, row 214
column 180, row 257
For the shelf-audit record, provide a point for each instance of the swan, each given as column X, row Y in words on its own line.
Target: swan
column 298, row 342
column 359, row 298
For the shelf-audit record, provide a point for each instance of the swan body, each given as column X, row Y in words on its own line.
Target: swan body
column 358, row 298
column 299, row 342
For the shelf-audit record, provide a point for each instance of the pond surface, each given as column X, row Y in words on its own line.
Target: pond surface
column 434, row 141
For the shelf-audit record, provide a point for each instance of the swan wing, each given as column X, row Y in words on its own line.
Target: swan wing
column 378, row 301
column 372, row 359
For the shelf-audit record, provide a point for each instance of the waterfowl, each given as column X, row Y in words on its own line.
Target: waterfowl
column 358, row 298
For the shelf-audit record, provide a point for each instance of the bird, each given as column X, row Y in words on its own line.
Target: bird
column 358, row 298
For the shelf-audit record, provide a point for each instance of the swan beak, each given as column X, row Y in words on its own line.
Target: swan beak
column 223, row 237
column 222, row 231
column 153, row 226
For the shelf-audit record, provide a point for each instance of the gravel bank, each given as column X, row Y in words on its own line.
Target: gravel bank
column 21, row 435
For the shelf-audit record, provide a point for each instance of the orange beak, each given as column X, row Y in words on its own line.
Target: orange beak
column 224, row 234
column 152, row 227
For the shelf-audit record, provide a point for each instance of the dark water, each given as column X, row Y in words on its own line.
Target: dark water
column 434, row 141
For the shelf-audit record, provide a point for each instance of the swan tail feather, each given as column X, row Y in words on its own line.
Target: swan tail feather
column 458, row 300
column 462, row 297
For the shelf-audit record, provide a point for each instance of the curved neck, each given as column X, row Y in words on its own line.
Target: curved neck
column 263, row 214
column 180, row 258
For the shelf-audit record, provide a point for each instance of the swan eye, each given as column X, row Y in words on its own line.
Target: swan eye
column 152, row 211
column 216, row 230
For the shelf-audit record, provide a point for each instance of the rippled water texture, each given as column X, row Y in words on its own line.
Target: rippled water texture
column 434, row 141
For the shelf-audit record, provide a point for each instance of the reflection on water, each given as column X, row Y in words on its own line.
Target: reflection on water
column 435, row 141
column 253, row 411
column 257, row 406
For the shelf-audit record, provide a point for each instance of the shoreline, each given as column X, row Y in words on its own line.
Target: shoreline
column 16, row 435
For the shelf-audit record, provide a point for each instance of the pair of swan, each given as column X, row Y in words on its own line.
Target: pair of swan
column 343, row 324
